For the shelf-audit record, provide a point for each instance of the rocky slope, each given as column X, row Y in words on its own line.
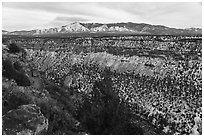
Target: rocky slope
column 30, row 105
column 102, row 91
column 40, row 106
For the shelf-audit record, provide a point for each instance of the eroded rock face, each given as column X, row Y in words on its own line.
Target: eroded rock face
column 25, row 120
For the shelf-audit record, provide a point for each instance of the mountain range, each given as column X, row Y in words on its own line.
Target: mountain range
column 129, row 27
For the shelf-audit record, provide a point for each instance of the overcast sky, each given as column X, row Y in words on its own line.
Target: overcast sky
column 27, row 16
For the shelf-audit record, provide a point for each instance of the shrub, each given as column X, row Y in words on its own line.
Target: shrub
column 3, row 40
column 13, row 48
column 11, row 73
column 103, row 113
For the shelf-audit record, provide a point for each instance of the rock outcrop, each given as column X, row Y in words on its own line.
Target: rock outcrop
column 25, row 120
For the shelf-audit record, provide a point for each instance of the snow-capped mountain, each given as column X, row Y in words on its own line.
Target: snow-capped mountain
column 134, row 28
column 120, row 29
column 45, row 31
column 195, row 29
column 73, row 27
column 100, row 28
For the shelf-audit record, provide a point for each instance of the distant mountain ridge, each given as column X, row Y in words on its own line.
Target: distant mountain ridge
column 129, row 27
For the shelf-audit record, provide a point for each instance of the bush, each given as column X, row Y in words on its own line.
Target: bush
column 11, row 73
column 103, row 113
column 3, row 40
column 13, row 48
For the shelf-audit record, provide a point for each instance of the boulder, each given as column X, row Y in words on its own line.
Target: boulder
column 25, row 120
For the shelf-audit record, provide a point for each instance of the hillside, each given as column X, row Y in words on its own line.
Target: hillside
column 102, row 85
column 35, row 105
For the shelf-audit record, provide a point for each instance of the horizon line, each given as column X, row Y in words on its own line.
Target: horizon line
column 104, row 23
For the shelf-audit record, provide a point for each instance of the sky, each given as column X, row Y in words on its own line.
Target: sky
column 38, row 15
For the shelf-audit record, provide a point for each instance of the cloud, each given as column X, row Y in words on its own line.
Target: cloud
column 70, row 19
column 172, row 14
column 61, row 20
column 31, row 15
column 18, row 19
column 79, row 8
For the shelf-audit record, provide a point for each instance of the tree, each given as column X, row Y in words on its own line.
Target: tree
column 103, row 113
column 13, row 48
column 10, row 72
column 3, row 40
